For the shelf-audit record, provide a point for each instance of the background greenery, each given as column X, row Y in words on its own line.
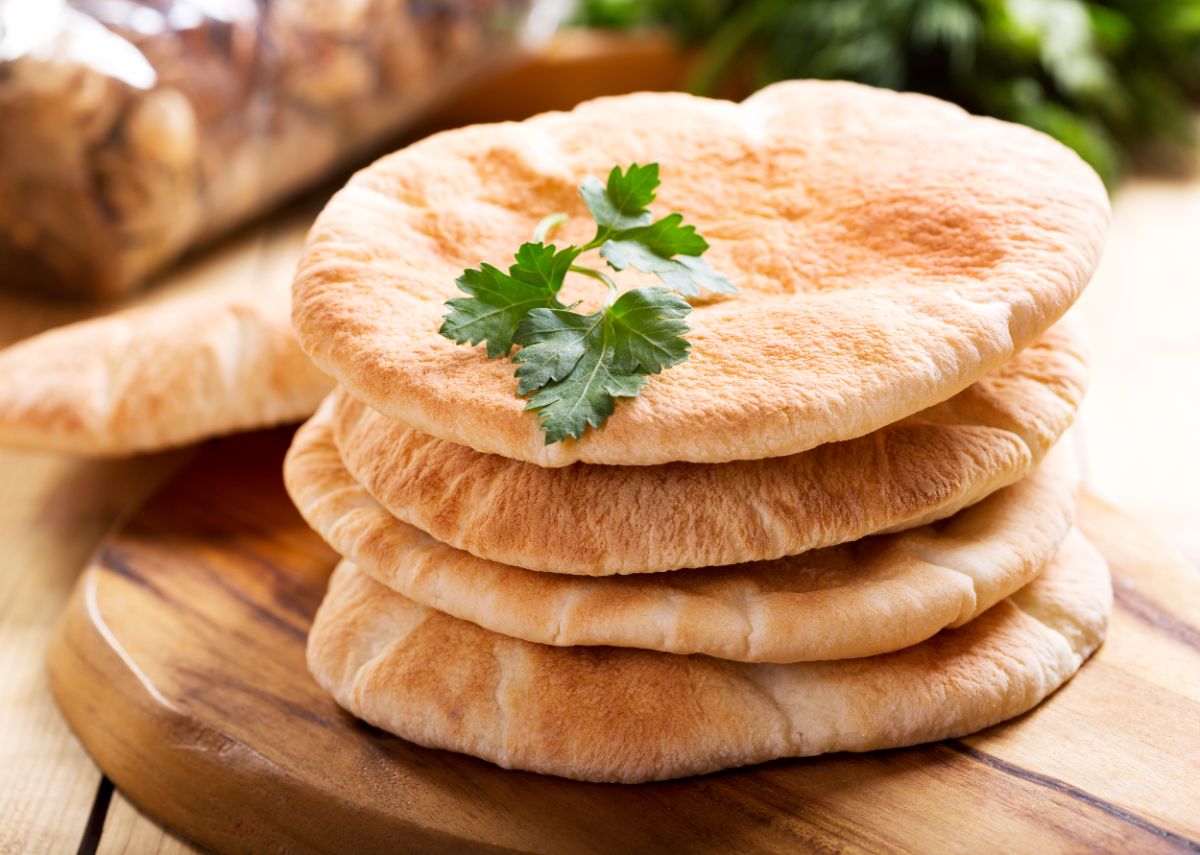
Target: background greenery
column 1110, row 79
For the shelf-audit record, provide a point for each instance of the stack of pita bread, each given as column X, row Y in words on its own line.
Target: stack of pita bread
column 845, row 523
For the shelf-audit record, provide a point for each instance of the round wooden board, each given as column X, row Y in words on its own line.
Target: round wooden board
column 180, row 665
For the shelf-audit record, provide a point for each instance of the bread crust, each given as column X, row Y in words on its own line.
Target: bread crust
column 162, row 375
column 598, row 520
column 859, row 599
column 610, row 714
column 890, row 250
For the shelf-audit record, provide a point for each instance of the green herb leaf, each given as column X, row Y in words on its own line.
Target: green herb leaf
column 579, row 364
column 497, row 302
column 650, row 249
column 543, row 266
column 686, row 274
column 666, row 237
column 623, row 202
column 649, row 329
column 573, row 367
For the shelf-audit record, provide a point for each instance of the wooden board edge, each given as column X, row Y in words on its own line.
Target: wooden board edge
column 127, row 730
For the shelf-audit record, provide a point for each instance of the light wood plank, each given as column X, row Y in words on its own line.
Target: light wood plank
column 1135, row 707
column 128, row 832
column 53, row 511
column 47, row 782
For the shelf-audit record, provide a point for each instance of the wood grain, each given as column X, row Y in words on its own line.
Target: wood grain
column 53, row 512
column 180, row 664
column 128, row 832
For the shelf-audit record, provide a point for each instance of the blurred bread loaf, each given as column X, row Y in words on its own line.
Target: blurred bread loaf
column 133, row 131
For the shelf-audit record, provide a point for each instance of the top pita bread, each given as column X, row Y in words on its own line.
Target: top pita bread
column 616, row 714
column 890, row 250
column 597, row 520
column 156, row 376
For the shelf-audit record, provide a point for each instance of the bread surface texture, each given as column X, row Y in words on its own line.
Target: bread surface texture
column 611, row 714
column 597, row 520
column 890, row 250
column 170, row 373
column 867, row 597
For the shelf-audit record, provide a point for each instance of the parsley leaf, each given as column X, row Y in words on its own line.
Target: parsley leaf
column 497, row 302
column 573, row 367
column 650, row 249
column 665, row 237
column 686, row 274
column 543, row 266
column 621, row 203
column 579, row 364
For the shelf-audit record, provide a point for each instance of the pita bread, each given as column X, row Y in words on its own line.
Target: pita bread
column 166, row 374
column 611, row 714
column 858, row 599
column 890, row 249
column 567, row 520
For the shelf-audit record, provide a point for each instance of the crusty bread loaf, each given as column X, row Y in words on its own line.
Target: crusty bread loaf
column 134, row 130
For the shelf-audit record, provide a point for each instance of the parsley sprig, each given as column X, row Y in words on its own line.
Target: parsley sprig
column 571, row 366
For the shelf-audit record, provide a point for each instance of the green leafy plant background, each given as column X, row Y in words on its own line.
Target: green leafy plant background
column 1109, row 79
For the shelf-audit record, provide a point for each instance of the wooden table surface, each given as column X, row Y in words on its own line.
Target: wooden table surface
column 1138, row 439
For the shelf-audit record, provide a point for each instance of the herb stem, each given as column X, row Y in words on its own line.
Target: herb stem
column 601, row 236
column 603, row 277
column 547, row 225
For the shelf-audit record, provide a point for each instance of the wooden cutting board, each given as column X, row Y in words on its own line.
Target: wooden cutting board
column 180, row 665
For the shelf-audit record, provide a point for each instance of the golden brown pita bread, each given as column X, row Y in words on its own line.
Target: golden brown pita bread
column 598, row 520
column 890, row 249
column 157, row 376
column 858, row 599
column 612, row 714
